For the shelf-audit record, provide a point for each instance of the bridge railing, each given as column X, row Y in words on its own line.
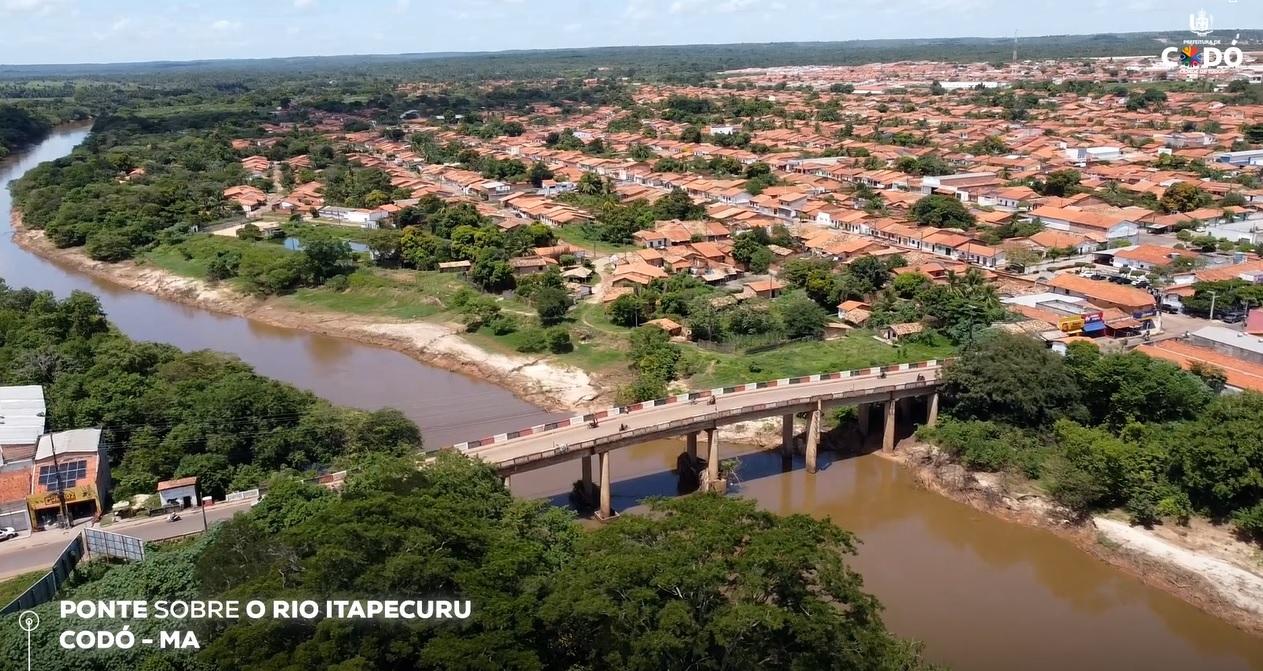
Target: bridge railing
column 690, row 396
column 667, row 427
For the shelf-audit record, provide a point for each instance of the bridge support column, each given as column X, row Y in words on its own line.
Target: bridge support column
column 605, row 512
column 690, row 442
column 931, row 418
column 888, row 437
column 813, row 439
column 586, row 480
column 862, row 412
column 712, row 459
column 787, row 436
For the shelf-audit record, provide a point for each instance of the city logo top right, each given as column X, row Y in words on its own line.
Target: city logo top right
column 1203, row 52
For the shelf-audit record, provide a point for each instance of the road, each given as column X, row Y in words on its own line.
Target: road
column 753, row 401
column 22, row 555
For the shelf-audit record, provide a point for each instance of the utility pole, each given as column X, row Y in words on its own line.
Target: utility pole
column 1212, row 305
column 202, row 505
column 61, row 488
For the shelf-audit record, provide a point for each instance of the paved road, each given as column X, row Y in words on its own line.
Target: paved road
column 500, row 454
column 39, row 549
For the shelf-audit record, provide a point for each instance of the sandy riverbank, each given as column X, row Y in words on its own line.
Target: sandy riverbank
column 536, row 380
column 1201, row 563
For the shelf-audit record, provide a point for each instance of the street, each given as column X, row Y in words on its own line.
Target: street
column 22, row 555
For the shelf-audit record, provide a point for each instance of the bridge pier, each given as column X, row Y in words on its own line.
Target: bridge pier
column 712, row 459
column 586, row 478
column 888, row 436
column 605, row 512
column 862, row 412
column 787, row 436
column 690, row 442
column 931, row 418
column 813, row 439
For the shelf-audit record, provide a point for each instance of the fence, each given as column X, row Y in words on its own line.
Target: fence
column 242, row 496
column 45, row 589
column 94, row 541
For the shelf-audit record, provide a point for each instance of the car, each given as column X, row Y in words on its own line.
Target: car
column 8, row 532
column 1232, row 317
column 1169, row 309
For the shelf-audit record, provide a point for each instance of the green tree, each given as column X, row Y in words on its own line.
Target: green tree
column 942, row 212
column 552, row 304
column 1184, row 197
column 992, row 380
column 801, row 316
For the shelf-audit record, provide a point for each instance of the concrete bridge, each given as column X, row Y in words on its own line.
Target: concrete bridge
column 600, row 433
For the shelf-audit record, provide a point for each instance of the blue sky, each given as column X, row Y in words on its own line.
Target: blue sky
column 77, row 31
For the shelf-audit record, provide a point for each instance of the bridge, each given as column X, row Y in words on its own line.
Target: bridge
column 599, row 433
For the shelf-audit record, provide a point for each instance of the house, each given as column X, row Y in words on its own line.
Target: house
column 672, row 328
column 181, row 492
column 897, row 332
column 1112, row 225
column 1149, row 257
column 70, row 468
column 529, row 265
column 1240, row 374
column 854, row 313
column 1139, row 303
column 455, row 267
column 352, row 216
column 23, row 411
column 768, row 288
column 248, row 198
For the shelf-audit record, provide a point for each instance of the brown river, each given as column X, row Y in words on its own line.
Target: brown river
column 980, row 592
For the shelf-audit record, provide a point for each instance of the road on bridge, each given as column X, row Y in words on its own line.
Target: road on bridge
column 504, row 453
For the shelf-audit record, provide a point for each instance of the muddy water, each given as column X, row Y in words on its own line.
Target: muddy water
column 445, row 405
column 983, row 594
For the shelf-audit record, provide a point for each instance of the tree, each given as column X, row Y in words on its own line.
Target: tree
column 677, row 204
column 691, row 134
column 801, row 316
column 937, row 89
column 689, row 573
column 942, row 212
column 491, row 273
column 249, row 232
column 751, row 252
column 1184, row 197
column 1063, row 182
column 627, row 310
column 992, row 380
column 326, row 256
column 538, row 173
column 552, row 304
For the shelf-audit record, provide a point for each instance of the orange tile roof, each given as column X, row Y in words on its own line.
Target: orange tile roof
column 1240, row 374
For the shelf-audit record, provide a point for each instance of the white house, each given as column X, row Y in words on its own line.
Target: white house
column 353, row 216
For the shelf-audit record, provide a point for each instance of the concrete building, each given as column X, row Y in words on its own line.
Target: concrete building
column 181, row 492
column 1236, row 344
column 21, row 421
column 353, row 216
column 71, row 476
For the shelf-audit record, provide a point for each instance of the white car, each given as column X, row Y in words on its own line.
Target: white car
column 8, row 532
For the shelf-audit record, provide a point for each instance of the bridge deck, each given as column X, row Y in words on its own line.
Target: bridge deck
column 546, row 447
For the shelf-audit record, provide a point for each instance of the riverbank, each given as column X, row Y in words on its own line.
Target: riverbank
column 543, row 383
column 1201, row 563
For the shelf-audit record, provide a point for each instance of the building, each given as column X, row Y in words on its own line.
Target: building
column 1241, row 375
column 1138, row 303
column 1236, row 344
column 21, row 422
column 71, row 470
column 1248, row 157
column 1112, row 226
column 353, row 216
column 181, row 492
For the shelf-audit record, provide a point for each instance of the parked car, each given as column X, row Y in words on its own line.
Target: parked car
column 1232, row 317
column 1169, row 309
column 8, row 532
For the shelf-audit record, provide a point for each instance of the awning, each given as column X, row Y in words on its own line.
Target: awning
column 1124, row 323
column 1093, row 327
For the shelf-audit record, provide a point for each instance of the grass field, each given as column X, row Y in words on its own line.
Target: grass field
column 858, row 350
column 12, row 588
column 576, row 236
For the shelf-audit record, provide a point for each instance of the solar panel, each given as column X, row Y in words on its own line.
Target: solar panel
column 71, row 473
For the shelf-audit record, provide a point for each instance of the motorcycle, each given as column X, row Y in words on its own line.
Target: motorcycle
column 174, row 517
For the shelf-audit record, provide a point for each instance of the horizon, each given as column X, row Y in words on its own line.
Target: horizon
column 74, row 32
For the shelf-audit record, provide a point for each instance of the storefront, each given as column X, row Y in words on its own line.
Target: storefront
column 81, row 503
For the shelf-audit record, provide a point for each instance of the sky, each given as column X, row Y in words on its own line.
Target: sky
column 102, row 31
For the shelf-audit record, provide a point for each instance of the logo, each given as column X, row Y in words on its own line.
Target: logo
column 1201, row 23
column 1203, row 53
column 1191, row 56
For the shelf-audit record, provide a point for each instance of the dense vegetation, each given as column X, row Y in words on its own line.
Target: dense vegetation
column 19, row 128
column 167, row 413
column 1108, row 430
column 703, row 582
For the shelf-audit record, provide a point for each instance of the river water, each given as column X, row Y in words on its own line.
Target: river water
column 982, row 593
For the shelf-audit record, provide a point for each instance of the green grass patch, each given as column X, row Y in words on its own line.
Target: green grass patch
column 12, row 588
column 858, row 350
column 371, row 292
column 578, row 237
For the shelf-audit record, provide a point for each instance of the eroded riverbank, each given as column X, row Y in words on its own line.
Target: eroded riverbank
column 1201, row 563
column 535, row 380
